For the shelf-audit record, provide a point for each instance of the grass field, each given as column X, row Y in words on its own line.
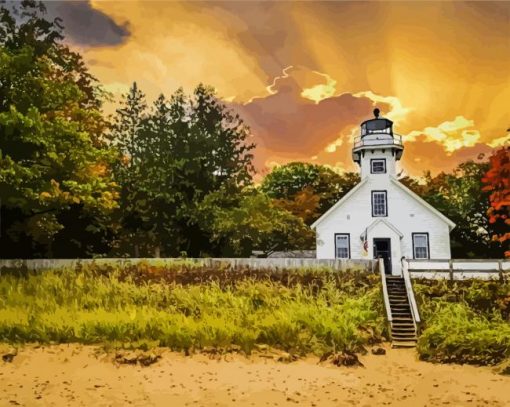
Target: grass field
column 186, row 307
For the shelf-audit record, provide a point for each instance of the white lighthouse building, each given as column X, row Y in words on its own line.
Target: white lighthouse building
column 380, row 217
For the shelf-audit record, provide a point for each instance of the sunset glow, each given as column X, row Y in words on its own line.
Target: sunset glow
column 304, row 75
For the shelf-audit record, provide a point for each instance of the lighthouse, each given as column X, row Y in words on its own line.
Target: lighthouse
column 380, row 217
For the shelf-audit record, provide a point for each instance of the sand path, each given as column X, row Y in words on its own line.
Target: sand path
column 72, row 375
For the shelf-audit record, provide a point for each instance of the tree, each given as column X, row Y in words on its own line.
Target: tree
column 461, row 197
column 497, row 183
column 127, row 135
column 182, row 150
column 239, row 224
column 307, row 190
column 53, row 158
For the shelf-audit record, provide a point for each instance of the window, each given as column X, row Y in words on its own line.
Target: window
column 421, row 245
column 379, row 204
column 342, row 246
column 378, row 166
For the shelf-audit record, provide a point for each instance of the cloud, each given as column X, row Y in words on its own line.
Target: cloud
column 453, row 134
column 87, row 26
column 267, row 29
column 285, row 121
column 422, row 155
column 304, row 118
column 430, row 70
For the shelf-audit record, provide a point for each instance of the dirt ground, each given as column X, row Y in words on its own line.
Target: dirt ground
column 74, row 375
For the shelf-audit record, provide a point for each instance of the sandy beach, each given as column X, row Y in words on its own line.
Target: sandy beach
column 74, row 375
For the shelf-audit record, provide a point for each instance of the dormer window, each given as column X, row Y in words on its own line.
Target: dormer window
column 378, row 166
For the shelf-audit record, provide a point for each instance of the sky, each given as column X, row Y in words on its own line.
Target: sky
column 304, row 75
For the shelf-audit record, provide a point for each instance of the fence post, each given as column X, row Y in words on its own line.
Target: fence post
column 500, row 269
column 450, row 265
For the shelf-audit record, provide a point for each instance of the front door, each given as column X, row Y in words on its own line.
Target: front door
column 382, row 248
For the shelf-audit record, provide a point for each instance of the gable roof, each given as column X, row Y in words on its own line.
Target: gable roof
column 424, row 203
column 389, row 224
column 402, row 187
column 340, row 202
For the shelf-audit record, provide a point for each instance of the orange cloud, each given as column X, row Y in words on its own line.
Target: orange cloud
column 286, row 122
column 440, row 70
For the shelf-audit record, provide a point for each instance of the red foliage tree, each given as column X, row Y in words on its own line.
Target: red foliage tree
column 497, row 181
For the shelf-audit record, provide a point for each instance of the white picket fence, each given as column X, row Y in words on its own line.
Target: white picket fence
column 459, row 269
column 429, row 269
column 267, row 263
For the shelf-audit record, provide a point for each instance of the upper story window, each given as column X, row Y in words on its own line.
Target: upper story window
column 378, row 166
column 421, row 246
column 342, row 246
column 379, row 203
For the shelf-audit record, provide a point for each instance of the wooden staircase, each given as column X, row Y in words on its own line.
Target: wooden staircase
column 403, row 326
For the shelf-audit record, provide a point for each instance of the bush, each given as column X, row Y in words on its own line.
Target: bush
column 464, row 321
column 458, row 334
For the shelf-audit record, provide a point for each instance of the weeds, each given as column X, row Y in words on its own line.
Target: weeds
column 464, row 321
column 306, row 312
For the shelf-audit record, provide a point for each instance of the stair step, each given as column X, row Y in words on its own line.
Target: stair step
column 404, row 338
column 403, row 344
column 409, row 330
column 404, row 334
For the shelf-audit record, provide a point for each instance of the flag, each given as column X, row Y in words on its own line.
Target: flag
column 364, row 241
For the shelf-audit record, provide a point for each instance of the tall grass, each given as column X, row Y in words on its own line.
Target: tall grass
column 302, row 312
column 464, row 321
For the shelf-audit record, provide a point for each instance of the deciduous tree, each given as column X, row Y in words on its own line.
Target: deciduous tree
column 53, row 158
column 497, row 183
column 307, row 190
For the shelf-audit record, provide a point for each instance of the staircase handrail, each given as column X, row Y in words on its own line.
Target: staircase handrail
column 410, row 292
column 385, row 290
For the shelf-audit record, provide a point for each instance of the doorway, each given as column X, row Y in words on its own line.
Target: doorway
column 382, row 248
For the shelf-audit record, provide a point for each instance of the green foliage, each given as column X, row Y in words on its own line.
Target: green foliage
column 456, row 333
column 461, row 197
column 287, row 182
column 248, row 221
column 464, row 321
column 53, row 160
column 91, row 307
column 172, row 157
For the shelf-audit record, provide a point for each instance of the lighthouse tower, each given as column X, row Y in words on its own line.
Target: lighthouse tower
column 377, row 149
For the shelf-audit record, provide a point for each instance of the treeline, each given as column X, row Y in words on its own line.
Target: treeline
column 173, row 177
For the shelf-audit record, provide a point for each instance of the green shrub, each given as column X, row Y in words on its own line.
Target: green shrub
column 464, row 321
column 455, row 333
